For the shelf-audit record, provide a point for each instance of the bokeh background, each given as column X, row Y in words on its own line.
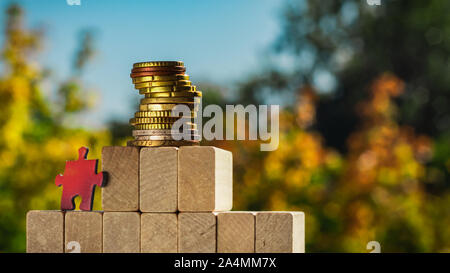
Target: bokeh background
column 364, row 93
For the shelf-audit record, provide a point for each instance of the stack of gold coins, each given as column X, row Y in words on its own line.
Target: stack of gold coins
column 164, row 85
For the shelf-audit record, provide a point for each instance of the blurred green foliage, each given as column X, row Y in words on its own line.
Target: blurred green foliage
column 35, row 133
column 366, row 157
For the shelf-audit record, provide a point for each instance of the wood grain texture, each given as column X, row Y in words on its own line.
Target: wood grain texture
column 196, row 232
column 121, row 192
column 45, row 231
column 280, row 232
column 121, row 232
column 84, row 227
column 158, row 179
column 159, row 233
column 205, row 179
column 235, row 232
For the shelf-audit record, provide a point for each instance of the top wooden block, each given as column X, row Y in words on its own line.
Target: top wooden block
column 121, row 192
column 205, row 179
column 158, row 176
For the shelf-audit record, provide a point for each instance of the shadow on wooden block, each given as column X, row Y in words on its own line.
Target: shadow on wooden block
column 121, row 192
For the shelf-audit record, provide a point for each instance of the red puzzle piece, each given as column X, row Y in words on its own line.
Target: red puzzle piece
column 80, row 179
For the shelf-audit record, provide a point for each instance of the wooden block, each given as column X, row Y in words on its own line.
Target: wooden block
column 121, row 192
column 45, row 231
column 84, row 227
column 235, row 232
column 205, row 179
column 159, row 233
column 280, row 232
column 121, row 232
column 196, row 232
column 158, row 179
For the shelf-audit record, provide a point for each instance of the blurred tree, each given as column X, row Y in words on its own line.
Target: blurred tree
column 340, row 46
column 374, row 192
column 300, row 175
column 390, row 180
column 35, row 137
column 382, row 186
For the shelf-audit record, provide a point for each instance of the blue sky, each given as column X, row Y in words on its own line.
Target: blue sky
column 219, row 41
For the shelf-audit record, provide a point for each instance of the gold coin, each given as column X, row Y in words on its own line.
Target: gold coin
column 165, row 107
column 167, row 137
column 161, row 78
column 166, row 89
column 153, row 126
column 134, row 121
column 161, row 137
column 164, row 63
column 170, row 100
column 152, row 84
column 137, row 133
column 161, row 126
column 159, row 143
column 152, row 114
column 165, row 84
column 160, row 83
column 171, row 83
column 186, row 94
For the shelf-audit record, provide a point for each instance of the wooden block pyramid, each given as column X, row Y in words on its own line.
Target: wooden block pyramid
column 167, row 200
